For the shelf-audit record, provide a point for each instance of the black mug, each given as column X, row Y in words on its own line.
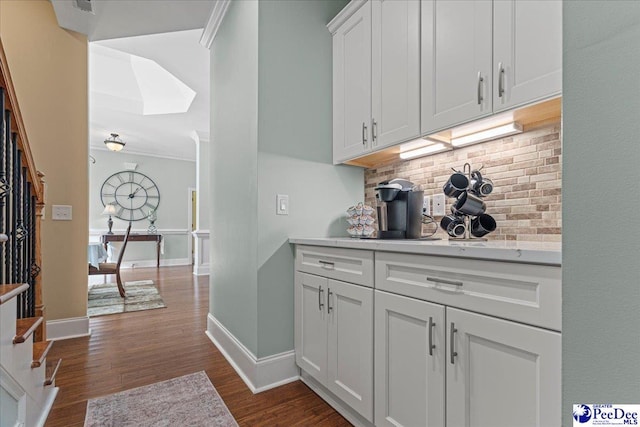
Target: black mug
column 469, row 204
column 453, row 225
column 457, row 183
column 482, row 225
column 481, row 186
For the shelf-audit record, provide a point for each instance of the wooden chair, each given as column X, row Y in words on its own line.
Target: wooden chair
column 113, row 267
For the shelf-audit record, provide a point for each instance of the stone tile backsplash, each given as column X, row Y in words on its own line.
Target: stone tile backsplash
column 526, row 172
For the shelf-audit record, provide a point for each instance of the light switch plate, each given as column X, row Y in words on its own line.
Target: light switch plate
column 61, row 212
column 282, row 204
column 438, row 205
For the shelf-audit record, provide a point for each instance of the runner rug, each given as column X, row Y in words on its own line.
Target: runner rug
column 190, row 400
column 140, row 295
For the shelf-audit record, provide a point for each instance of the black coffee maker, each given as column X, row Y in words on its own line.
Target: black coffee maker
column 399, row 208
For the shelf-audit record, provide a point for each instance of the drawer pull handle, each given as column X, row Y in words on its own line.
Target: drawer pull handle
column 326, row 263
column 329, row 308
column 320, row 303
column 432, row 324
column 452, row 343
column 448, row 282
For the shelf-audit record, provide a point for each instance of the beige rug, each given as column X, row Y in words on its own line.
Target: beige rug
column 141, row 295
column 190, row 400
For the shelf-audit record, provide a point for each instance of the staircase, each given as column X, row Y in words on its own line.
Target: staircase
column 27, row 379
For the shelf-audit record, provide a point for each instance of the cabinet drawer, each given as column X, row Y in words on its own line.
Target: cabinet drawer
column 521, row 292
column 348, row 265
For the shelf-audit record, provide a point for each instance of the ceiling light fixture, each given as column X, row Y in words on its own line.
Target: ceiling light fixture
column 429, row 149
column 114, row 143
column 487, row 135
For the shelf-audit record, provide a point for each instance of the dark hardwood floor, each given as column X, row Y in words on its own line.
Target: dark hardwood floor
column 134, row 349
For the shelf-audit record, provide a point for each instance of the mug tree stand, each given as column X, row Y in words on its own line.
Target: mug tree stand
column 466, row 169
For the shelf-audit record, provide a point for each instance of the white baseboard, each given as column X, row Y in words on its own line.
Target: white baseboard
column 63, row 329
column 201, row 270
column 259, row 374
column 48, row 404
column 145, row 263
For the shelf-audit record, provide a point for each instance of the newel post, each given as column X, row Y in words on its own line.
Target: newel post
column 41, row 332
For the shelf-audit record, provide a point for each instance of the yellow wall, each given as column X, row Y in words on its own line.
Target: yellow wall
column 49, row 70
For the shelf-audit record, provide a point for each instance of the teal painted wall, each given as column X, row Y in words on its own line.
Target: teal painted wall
column 234, row 173
column 601, row 154
column 293, row 156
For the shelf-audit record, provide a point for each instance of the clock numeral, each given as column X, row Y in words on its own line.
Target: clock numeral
column 153, row 197
column 120, row 179
column 120, row 211
column 109, row 194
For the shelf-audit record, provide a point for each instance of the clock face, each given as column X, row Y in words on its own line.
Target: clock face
column 133, row 194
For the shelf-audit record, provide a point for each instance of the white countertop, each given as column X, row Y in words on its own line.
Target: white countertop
column 511, row 251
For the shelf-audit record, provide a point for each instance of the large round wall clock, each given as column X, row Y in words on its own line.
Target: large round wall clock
column 133, row 194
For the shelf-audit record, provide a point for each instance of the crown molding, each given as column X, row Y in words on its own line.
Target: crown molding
column 213, row 24
column 345, row 14
column 140, row 153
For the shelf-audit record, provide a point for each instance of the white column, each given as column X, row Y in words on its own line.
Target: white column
column 201, row 233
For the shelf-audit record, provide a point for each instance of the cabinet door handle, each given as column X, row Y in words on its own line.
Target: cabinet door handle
column 480, row 81
column 374, row 131
column 364, row 133
column 500, row 80
column 326, row 263
column 432, row 324
column 452, row 343
column 329, row 308
column 320, row 303
column 448, row 282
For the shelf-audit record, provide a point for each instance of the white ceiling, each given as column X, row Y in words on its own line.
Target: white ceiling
column 153, row 90
column 126, row 18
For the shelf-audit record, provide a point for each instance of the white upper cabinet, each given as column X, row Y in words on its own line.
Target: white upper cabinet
column 527, row 51
column 456, row 62
column 395, row 71
column 352, row 85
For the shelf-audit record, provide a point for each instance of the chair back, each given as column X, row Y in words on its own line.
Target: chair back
column 124, row 246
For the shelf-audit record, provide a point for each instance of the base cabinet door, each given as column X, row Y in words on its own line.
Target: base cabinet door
column 527, row 51
column 310, row 324
column 409, row 362
column 501, row 373
column 350, row 345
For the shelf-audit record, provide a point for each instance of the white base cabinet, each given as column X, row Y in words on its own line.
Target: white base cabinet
column 334, row 338
column 501, row 373
column 409, row 362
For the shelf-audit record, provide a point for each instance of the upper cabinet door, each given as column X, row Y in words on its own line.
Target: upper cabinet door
column 395, row 72
column 352, row 86
column 456, row 62
column 527, row 51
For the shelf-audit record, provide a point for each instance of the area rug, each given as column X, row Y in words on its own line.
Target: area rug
column 190, row 400
column 141, row 295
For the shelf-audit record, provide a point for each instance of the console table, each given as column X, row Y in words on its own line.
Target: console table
column 135, row 237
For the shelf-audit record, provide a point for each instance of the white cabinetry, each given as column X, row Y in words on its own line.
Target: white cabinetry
column 352, row 85
column 334, row 323
column 409, row 362
column 501, row 373
column 527, row 51
column 376, row 76
column 483, row 56
column 456, row 62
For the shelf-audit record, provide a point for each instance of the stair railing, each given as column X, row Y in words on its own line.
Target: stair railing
column 21, row 205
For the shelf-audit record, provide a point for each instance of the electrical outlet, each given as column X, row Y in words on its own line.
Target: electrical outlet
column 61, row 213
column 438, row 205
column 426, row 205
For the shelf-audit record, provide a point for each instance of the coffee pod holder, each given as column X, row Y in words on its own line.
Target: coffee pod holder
column 467, row 236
